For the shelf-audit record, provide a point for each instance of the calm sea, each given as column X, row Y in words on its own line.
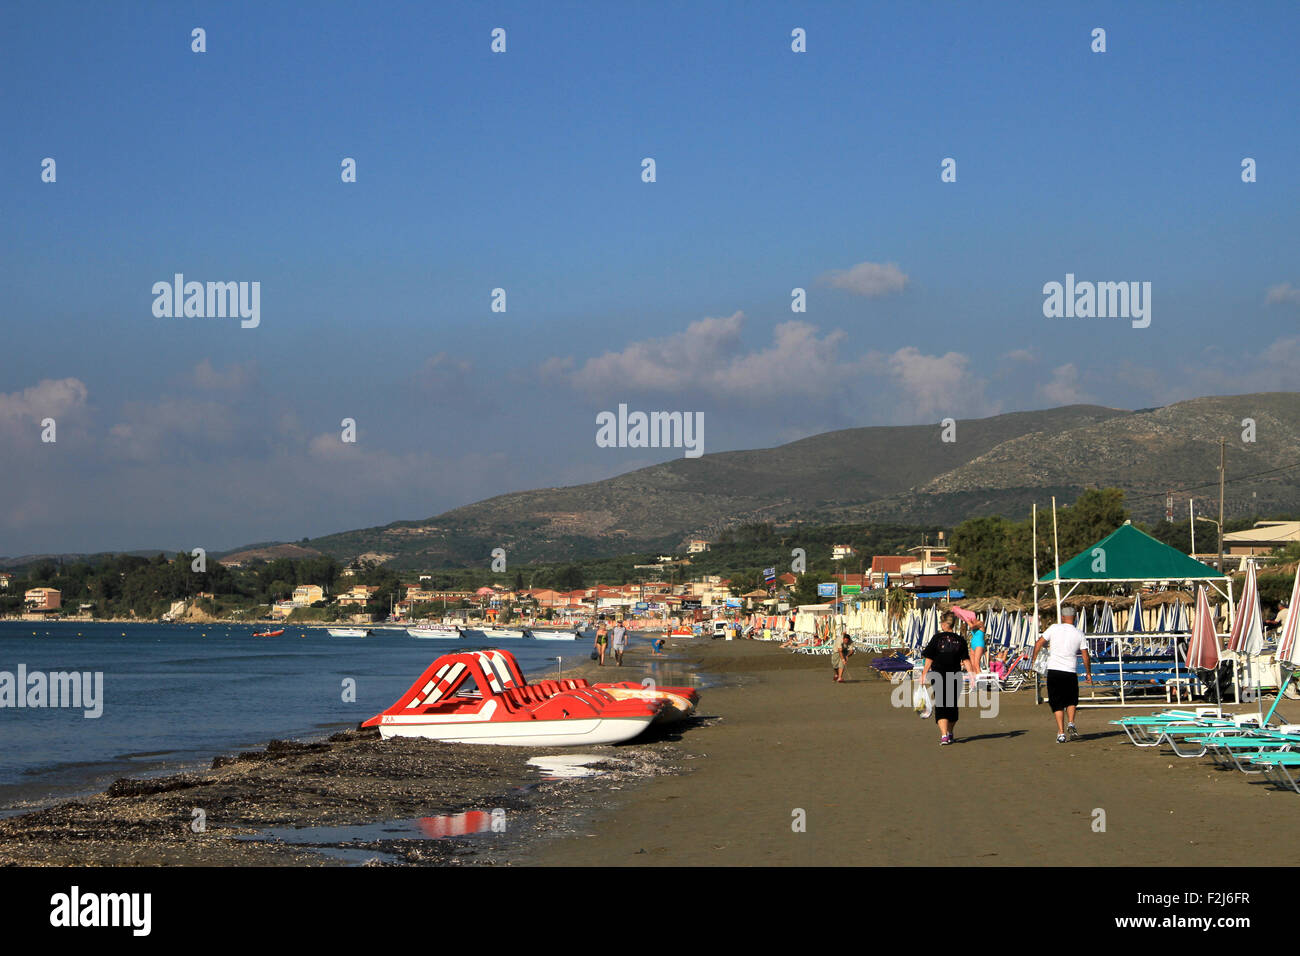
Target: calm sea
column 178, row 695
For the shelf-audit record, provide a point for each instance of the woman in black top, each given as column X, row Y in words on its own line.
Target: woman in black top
column 945, row 655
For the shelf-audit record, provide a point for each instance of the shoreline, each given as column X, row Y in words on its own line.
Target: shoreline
column 345, row 799
column 774, row 741
column 22, row 797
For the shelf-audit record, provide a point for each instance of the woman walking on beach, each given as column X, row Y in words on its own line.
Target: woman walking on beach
column 946, row 655
column 600, row 642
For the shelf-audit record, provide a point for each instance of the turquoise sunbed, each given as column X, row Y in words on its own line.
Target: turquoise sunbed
column 1274, row 764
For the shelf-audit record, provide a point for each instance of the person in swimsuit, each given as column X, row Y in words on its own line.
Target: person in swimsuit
column 601, row 641
column 977, row 644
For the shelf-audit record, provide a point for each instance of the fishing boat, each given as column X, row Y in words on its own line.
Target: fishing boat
column 481, row 697
column 349, row 631
column 436, row 632
column 268, row 633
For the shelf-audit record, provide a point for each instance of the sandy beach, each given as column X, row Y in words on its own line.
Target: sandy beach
column 879, row 791
column 774, row 736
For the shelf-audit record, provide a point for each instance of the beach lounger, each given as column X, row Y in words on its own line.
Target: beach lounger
column 1147, row 730
column 1276, row 764
column 1236, row 750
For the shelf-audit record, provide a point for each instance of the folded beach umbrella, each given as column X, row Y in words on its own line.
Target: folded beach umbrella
column 1107, row 623
column 1288, row 647
column 1162, row 621
column 1288, row 644
column 1203, row 650
column 1135, row 615
column 1247, row 637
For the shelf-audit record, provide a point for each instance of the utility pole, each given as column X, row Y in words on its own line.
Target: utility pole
column 1222, row 444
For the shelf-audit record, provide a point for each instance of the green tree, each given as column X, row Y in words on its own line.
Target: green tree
column 570, row 578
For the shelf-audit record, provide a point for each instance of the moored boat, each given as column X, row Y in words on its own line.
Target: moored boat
column 436, row 632
column 502, row 633
column 553, row 635
column 268, row 633
column 349, row 631
column 482, row 697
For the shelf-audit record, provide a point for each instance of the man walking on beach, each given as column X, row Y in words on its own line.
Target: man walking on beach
column 1065, row 643
column 619, row 644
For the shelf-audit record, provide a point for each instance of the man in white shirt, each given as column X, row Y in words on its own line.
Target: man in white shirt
column 1065, row 643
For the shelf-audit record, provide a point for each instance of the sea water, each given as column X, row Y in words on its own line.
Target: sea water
column 176, row 695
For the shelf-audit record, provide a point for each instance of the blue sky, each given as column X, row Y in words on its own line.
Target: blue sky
column 522, row 170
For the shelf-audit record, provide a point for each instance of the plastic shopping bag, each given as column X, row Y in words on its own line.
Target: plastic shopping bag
column 922, row 700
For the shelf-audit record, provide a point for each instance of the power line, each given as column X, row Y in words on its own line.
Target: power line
column 1215, row 481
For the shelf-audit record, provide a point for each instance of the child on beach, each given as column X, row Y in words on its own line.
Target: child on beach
column 999, row 665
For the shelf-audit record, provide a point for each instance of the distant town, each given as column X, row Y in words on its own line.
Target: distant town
column 746, row 571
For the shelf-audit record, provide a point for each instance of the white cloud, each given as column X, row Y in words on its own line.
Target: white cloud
column 21, row 413
column 234, row 378
column 868, row 278
column 1064, row 387
column 930, row 386
column 1282, row 292
column 1020, row 355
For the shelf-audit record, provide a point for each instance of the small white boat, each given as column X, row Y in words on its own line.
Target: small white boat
column 436, row 632
column 502, row 633
column 348, row 631
column 550, row 635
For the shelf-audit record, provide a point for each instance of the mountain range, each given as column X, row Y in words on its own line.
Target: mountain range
column 912, row 474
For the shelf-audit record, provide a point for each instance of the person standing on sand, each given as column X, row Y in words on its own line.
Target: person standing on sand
column 977, row 645
column 946, row 655
column 619, row 643
column 1065, row 643
column 600, row 642
column 842, row 655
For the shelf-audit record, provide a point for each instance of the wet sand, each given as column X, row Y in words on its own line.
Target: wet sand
column 877, row 789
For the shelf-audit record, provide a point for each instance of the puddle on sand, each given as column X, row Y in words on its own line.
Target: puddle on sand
column 341, row 842
column 569, row 765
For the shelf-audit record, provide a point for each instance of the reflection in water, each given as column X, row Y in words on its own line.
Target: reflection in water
column 460, row 824
column 569, row 765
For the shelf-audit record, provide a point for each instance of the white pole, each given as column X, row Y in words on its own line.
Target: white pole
column 1056, row 550
column 1191, row 518
column 1034, row 524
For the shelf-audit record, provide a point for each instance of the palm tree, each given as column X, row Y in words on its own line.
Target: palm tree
column 897, row 603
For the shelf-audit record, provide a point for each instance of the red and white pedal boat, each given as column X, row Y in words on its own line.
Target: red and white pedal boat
column 481, row 697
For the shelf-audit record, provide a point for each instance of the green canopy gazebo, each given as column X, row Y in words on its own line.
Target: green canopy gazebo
column 1130, row 556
